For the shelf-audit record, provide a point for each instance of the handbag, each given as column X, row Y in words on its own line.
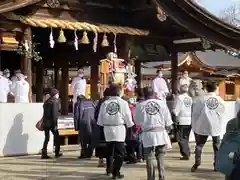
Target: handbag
column 39, row 125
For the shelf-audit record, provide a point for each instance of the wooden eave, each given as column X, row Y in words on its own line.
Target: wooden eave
column 200, row 22
column 190, row 62
column 8, row 25
column 9, row 41
column 11, row 5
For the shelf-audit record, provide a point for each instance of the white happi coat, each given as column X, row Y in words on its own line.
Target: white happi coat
column 183, row 109
column 21, row 91
column 4, row 89
column 160, row 87
column 14, row 79
column 207, row 114
column 153, row 116
column 113, row 116
column 79, row 85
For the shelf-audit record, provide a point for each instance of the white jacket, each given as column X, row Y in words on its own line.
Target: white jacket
column 207, row 115
column 78, row 87
column 153, row 116
column 4, row 89
column 160, row 87
column 114, row 114
column 183, row 109
column 21, row 91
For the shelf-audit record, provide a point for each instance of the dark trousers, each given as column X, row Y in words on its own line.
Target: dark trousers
column 131, row 149
column 86, row 146
column 115, row 157
column 139, row 150
column 55, row 140
column 183, row 139
column 200, row 142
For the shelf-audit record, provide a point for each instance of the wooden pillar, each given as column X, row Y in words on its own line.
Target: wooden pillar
column 174, row 70
column 64, row 87
column 26, row 63
column 124, row 46
column 39, row 81
column 56, row 74
column 138, row 73
column 94, row 78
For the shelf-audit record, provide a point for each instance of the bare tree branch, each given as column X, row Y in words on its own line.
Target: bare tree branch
column 231, row 14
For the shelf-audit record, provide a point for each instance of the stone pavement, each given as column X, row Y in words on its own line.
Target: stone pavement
column 70, row 168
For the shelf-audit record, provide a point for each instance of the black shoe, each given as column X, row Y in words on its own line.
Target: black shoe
column 214, row 167
column 132, row 162
column 57, row 155
column 108, row 172
column 45, row 157
column 185, row 158
column 82, row 157
column 194, row 167
column 120, row 176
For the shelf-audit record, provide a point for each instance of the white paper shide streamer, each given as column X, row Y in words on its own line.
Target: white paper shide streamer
column 51, row 40
column 75, row 40
column 115, row 43
column 26, row 45
column 95, row 40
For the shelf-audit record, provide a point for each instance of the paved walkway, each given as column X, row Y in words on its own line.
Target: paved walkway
column 70, row 168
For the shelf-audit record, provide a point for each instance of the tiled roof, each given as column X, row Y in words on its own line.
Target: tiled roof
column 218, row 58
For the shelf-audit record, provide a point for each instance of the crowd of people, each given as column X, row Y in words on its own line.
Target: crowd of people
column 121, row 129
column 16, row 86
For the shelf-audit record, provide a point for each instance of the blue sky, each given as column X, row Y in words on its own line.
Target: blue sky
column 215, row 6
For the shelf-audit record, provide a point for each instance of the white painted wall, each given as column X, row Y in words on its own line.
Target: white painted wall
column 18, row 134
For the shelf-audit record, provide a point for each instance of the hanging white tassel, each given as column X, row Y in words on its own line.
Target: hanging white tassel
column 95, row 40
column 115, row 43
column 51, row 40
column 26, row 45
column 75, row 40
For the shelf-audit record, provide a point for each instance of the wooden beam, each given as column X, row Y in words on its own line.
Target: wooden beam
column 11, row 5
column 191, row 47
column 64, row 88
column 94, row 78
column 39, row 81
column 138, row 73
column 152, row 40
column 56, row 73
column 174, row 70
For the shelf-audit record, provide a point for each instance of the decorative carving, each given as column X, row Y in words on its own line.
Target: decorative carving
column 53, row 3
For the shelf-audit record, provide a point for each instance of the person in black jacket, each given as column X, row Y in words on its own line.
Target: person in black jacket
column 50, row 121
column 100, row 143
column 84, row 123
